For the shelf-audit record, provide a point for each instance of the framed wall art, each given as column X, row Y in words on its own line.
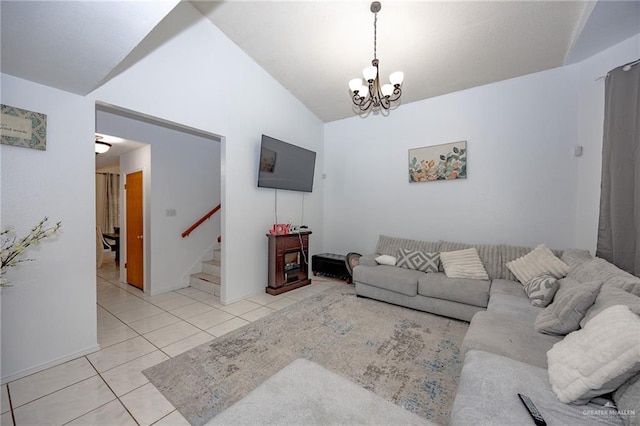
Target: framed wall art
column 438, row 162
column 20, row 127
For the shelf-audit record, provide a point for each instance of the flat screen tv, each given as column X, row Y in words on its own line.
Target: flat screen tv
column 285, row 166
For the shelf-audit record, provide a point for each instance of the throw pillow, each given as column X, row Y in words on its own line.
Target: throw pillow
column 570, row 303
column 385, row 259
column 611, row 296
column 597, row 359
column 538, row 261
column 463, row 264
column 418, row 260
column 541, row 289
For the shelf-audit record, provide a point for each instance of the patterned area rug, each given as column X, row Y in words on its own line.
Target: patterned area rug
column 408, row 357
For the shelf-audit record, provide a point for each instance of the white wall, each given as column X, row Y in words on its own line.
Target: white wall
column 49, row 315
column 521, row 171
column 220, row 90
column 590, row 132
column 186, row 178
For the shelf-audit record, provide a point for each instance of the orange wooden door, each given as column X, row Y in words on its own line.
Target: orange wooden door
column 135, row 234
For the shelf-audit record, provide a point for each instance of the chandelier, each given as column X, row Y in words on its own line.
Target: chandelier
column 371, row 95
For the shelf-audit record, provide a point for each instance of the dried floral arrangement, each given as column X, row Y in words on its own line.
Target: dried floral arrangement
column 13, row 248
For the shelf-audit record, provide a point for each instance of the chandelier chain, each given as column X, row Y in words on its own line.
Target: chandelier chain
column 375, row 35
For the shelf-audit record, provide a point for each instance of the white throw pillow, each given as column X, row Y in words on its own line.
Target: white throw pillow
column 386, row 259
column 463, row 264
column 538, row 261
column 597, row 359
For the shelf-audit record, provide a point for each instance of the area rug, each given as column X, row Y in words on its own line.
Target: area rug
column 408, row 357
column 304, row 393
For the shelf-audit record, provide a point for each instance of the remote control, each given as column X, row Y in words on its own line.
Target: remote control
column 535, row 414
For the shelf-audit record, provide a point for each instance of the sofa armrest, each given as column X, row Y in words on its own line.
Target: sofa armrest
column 368, row 259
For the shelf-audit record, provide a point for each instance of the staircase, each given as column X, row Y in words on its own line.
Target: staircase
column 209, row 279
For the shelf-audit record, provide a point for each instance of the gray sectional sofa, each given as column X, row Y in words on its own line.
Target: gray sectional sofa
column 503, row 354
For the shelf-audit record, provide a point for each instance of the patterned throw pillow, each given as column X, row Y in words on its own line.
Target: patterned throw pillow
column 541, row 289
column 418, row 260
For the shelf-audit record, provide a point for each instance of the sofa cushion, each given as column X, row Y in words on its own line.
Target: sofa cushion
column 488, row 395
column 463, row 264
column 600, row 269
column 508, row 287
column 571, row 302
column 541, row 289
column 627, row 399
column 418, row 260
column 514, row 307
column 438, row 285
column 595, row 361
column 392, row 278
column 368, row 259
column 489, row 255
column 611, row 296
column 390, row 245
column 538, row 261
column 574, row 257
column 509, row 253
column 506, row 336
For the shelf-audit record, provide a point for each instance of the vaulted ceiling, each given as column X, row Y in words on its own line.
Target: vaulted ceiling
column 313, row 48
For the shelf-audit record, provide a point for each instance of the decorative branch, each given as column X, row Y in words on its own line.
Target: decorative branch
column 12, row 247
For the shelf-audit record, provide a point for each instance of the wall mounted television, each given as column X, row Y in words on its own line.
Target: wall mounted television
column 285, row 166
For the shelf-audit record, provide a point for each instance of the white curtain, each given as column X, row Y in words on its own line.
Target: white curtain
column 107, row 201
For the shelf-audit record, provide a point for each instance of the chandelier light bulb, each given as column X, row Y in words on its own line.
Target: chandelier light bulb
column 370, row 73
column 387, row 90
column 355, row 84
column 396, row 78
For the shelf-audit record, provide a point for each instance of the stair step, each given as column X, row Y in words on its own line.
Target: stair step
column 217, row 255
column 211, row 267
column 205, row 282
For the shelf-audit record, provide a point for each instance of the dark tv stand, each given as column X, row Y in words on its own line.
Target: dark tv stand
column 288, row 262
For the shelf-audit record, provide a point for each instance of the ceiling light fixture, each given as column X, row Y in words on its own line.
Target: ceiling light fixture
column 102, row 147
column 370, row 95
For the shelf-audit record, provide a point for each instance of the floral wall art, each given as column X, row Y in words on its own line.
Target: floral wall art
column 20, row 127
column 438, row 162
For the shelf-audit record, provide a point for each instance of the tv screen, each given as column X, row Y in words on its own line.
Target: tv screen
column 285, row 166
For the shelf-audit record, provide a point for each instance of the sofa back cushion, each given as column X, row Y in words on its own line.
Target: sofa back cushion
column 489, row 255
column 601, row 270
column 610, row 296
column 391, row 245
column 574, row 257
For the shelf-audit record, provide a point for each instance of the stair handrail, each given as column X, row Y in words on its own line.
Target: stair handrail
column 200, row 221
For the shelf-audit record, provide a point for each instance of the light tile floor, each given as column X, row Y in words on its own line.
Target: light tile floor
column 135, row 332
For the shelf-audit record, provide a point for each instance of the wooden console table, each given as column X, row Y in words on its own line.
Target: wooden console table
column 288, row 262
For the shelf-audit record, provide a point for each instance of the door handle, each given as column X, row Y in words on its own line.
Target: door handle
column 139, row 237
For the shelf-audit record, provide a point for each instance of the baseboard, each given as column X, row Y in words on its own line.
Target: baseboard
column 49, row 364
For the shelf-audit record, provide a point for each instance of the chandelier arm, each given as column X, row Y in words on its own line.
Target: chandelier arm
column 397, row 92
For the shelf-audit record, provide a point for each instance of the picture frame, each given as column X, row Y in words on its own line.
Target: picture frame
column 438, row 162
column 23, row 128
